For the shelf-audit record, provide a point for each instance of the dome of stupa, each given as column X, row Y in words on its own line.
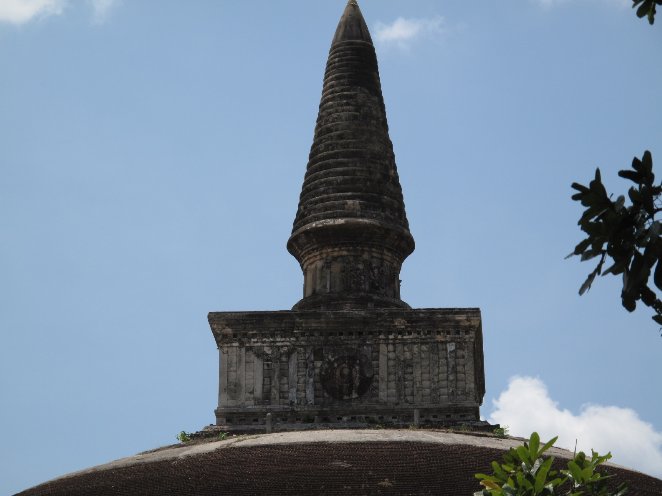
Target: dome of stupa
column 329, row 462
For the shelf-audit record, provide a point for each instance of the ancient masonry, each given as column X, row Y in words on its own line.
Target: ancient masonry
column 350, row 352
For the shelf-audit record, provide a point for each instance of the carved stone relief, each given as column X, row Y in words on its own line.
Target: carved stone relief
column 346, row 376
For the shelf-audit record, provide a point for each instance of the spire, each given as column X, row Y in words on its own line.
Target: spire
column 351, row 233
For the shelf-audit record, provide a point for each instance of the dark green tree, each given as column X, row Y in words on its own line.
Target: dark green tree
column 628, row 235
column 646, row 8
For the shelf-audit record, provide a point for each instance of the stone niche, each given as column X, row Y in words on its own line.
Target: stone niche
column 355, row 367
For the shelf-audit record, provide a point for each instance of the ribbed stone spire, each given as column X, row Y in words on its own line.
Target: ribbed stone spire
column 350, row 233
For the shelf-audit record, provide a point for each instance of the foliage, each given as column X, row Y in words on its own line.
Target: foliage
column 184, row 437
column 222, row 436
column 646, row 9
column 628, row 235
column 501, row 431
column 524, row 472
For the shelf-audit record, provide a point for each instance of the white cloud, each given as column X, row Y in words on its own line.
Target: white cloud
column 101, row 9
column 526, row 407
column 22, row 11
column 403, row 31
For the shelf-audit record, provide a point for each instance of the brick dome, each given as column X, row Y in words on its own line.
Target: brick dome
column 413, row 462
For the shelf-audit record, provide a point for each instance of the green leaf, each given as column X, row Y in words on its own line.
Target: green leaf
column 630, row 304
column 534, row 444
column 635, row 195
column 548, row 445
column 557, row 482
column 519, row 477
column 575, row 471
column 536, row 466
column 498, row 471
column 587, row 473
column 644, row 8
column 616, row 268
column 596, row 208
column 647, row 158
column 587, row 283
column 648, row 296
column 491, row 486
column 580, row 187
column 619, row 204
column 581, row 246
column 523, row 454
column 657, row 276
column 541, row 476
column 633, row 176
column 589, row 254
column 591, row 277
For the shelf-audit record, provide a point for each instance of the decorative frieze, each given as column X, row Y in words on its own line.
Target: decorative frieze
column 328, row 363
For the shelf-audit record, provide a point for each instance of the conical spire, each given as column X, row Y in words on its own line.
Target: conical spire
column 350, row 233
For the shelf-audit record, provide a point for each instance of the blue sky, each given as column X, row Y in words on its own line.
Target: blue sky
column 151, row 159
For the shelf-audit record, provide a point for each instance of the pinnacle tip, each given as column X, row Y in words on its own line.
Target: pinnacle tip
column 352, row 26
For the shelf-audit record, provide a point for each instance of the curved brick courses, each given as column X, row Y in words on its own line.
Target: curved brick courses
column 377, row 462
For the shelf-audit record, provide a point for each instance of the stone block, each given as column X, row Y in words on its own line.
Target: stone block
column 329, row 364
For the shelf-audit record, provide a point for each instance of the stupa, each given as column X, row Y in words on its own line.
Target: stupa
column 350, row 352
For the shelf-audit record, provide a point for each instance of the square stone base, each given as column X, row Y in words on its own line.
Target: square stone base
column 359, row 367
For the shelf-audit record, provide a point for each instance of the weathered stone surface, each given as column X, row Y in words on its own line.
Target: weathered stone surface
column 333, row 365
column 351, row 233
column 351, row 351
